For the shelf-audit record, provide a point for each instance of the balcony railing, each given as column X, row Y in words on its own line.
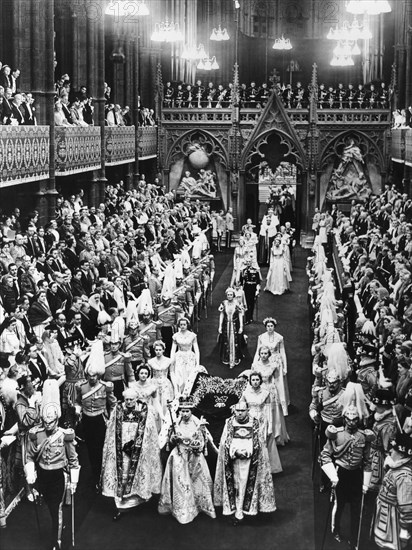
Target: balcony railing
column 147, row 142
column 120, row 144
column 353, row 116
column 24, row 154
column 401, row 145
column 199, row 116
column 77, row 149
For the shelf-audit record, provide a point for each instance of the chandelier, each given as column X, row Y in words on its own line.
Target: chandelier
column 191, row 53
column 125, row 8
column 208, row 64
column 342, row 61
column 167, row 32
column 350, row 31
column 282, row 44
column 369, row 7
column 218, row 34
column 346, row 48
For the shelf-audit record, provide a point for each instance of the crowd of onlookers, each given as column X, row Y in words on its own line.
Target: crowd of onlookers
column 210, row 95
column 76, row 108
column 16, row 107
column 402, row 118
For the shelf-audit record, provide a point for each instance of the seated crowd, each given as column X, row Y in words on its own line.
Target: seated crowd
column 216, row 96
column 16, row 107
column 76, row 108
column 362, row 341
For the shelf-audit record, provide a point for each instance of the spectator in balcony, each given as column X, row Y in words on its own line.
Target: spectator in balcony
column 127, row 117
column 111, row 119
column 1, row 103
column 5, row 257
column 5, row 79
column 65, row 107
column 16, row 117
column 7, row 105
column 13, row 78
column 76, row 111
column 29, row 110
column 59, row 117
column 150, row 118
column 88, row 111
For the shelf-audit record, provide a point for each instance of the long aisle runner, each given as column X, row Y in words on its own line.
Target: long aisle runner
column 290, row 527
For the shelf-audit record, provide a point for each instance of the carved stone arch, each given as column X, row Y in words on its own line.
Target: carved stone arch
column 205, row 139
column 294, row 149
column 368, row 145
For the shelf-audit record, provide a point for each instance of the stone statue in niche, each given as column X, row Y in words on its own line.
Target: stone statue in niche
column 350, row 179
column 199, row 177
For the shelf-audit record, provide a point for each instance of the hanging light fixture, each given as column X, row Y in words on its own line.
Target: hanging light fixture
column 346, row 48
column 342, row 61
column 282, row 44
column 191, row 53
column 350, row 31
column 122, row 8
column 219, row 35
column 167, row 32
column 369, row 7
column 208, row 64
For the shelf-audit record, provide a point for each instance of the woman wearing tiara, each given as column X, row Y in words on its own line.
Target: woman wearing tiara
column 278, row 277
column 187, row 484
column 160, row 366
column 184, row 354
column 230, row 330
column 275, row 343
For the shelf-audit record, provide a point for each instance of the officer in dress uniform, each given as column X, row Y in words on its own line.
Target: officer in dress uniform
column 250, row 279
column 322, row 93
column 95, row 400
column 371, row 98
column 288, row 97
column 383, row 96
column 168, row 94
column 299, row 100
column 198, row 92
column 360, row 97
column 135, row 344
column 252, row 95
column 167, row 316
column 340, row 93
column 118, row 368
column 330, row 97
column 345, row 459
column 50, row 454
column 349, row 97
column 179, row 96
column 263, row 95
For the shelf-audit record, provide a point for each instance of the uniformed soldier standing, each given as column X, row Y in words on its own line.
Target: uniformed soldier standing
column 346, row 461
column 50, row 453
column 167, row 316
column 250, row 278
column 94, row 402
column 135, row 344
column 118, row 368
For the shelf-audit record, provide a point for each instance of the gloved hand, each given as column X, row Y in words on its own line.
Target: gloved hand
column 30, row 471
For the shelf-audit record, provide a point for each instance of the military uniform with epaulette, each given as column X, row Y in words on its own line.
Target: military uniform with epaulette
column 137, row 346
column 94, row 404
column 54, row 454
column 119, row 371
column 346, row 460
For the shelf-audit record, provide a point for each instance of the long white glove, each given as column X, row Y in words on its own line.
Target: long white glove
column 30, row 471
column 330, row 471
column 366, row 481
column 74, row 479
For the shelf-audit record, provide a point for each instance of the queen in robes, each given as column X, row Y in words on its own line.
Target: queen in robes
column 187, row 484
column 131, row 468
column 278, row 277
column 243, row 482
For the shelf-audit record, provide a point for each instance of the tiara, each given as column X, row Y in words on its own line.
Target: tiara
column 270, row 320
